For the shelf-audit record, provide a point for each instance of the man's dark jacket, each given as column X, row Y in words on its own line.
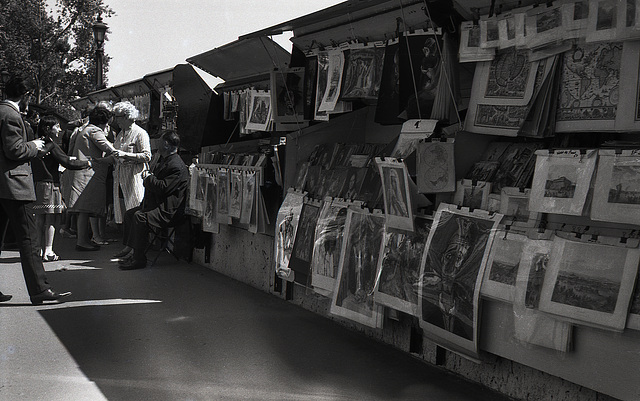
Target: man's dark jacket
column 165, row 191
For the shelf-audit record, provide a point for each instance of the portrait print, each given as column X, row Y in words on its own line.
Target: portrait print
column 248, row 196
column 353, row 295
column 452, row 267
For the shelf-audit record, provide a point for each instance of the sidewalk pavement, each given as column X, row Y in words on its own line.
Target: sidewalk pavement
column 179, row 331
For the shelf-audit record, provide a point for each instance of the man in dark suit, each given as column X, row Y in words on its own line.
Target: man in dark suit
column 17, row 190
column 163, row 203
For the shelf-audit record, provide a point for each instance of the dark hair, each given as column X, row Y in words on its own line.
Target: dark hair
column 172, row 138
column 99, row 116
column 46, row 122
column 16, row 87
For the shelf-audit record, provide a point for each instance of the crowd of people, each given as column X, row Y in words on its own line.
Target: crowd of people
column 104, row 167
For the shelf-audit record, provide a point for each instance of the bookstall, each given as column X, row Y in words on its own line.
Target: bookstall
column 461, row 181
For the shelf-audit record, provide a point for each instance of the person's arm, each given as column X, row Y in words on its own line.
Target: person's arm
column 66, row 161
column 100, row 140
column 144, row 155
column 14, row 145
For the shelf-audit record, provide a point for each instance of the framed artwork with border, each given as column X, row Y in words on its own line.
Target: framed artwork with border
column 591, row 282
column 451, row 273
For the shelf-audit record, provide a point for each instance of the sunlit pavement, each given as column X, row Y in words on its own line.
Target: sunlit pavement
column 179, row 331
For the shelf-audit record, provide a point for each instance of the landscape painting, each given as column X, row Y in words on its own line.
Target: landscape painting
column 616, row 193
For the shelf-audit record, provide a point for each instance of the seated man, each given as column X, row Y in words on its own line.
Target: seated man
column 163, row 203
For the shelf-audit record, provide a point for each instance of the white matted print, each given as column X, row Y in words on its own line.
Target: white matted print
column 470, row 50
column 616, row 194
column 575, row 16
column 399, row 267
column 603, row 20
column 489, row 32
column 435, row 167
column 451, row 275
column 353, row 294
column 591, row 283
column 499, row 278
column 397, row 198
column 544, row 26
column 561, row 181
column 511, row 28
column 334, row 81
column 514, row 204
column 259, row 111
column 286, row 227
column 472, row 194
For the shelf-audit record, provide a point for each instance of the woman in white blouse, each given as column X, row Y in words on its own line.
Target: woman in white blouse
column 133, row 153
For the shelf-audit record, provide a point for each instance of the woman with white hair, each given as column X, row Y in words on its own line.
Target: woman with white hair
column 133, row 153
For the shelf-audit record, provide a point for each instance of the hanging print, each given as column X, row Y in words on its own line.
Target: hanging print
column 259, row 111
column 209, row 222
column 222, row 204
column 302, row 250
column 286, row 227
column 397, row 198
column 248, row 196
column 451, row 273
column 435, row 167
column 334, row 80
column 235, row 194
column 362, row 72
column 616, row 194
column 499, row 278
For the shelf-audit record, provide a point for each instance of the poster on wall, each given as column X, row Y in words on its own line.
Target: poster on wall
column 397, row 198
column 362, row 72
column 327, row 247
column 302, row 250
column 287, row 95
column 334, row 80
column 235, row 194
column 353, row 293
column 530, row 325
column 259, row 111
column 561, row 181
column 499, row 278
column 591, row 283
column 286, row 227
column 222, row 204
column 451, row 273
column 249, row 197
column 388, row 106
column 616, row 194
column 209, row 220
column 399, row 267
column 435, row 166
column 583, row 106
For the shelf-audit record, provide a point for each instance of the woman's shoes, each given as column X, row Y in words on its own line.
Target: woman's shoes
column 50, row 258
column 84, row 248
column 122, row 253
column 68, row 233
column 99, row 241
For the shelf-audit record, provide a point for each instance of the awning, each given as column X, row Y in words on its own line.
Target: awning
column 160, row 80
column 242, row 59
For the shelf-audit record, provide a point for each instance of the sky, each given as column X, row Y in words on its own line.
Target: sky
column 147, row 36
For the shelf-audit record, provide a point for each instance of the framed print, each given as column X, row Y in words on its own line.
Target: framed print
column 235, row 193
column 616, row 194
column 489, row 32
column 499, row 278
column 222, row 204
column 327, row 246
column 362, row 72
column 514, row 205
column 322, row 77
column 300, row 261
column 474, row 195
column 591, row 283
column 399, row 267
column 451, row 273
column 395, row 189
column 286, row 227
column 249, row 195
column 334, row 81
column 603, row 20
column 209, row 221
column 561, row 181
column 633, row 321
column 575, row 16
column 544, row 26
column 435, row 166
column 259, row 111
column 470, row 50
column 353, row 293
column 287, row 89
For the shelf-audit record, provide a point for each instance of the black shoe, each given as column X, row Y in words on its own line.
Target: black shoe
column 48, row 295
column 133, row 264
column 87, row 248
column 5, row 298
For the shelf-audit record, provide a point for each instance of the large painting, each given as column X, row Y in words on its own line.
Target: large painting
column 591, row 283
column 353, row 294
column 561, row 181
column 399, row 267
column 451, row 274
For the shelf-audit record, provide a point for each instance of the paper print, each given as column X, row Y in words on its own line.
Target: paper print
column 260, row 111
column 397, row 198
column 435, row 167
column 286, row 227
column 222, row 205
column 616, row 194
column 300, row 261
column 209, row 223
column 362, row 72
column 334, row 80
column 235, row 194
column 321, row 86
column 287, row 91
column 603, row 20
column 249, row 195
column 514, row 205
column 470, row 50
column 502, row 266
column 473, row 195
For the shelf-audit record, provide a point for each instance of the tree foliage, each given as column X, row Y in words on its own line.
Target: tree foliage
column 52, row 44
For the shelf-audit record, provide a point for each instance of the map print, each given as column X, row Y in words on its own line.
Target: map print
column 508, row 75
column 590, row 82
